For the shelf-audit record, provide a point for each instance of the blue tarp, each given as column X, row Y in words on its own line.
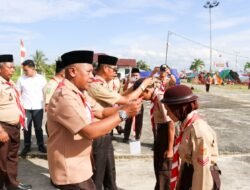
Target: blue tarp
column 173, row 71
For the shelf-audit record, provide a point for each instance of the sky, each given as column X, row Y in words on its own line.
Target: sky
column 133, row 29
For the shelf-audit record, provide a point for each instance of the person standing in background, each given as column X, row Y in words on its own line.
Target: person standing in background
column 138, row 119
column 51, row 86
column 31, row 87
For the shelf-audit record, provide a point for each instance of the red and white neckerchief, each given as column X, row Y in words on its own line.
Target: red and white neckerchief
column 153, row 102
column 193, row 116
column 87, row 106
column 22, row 117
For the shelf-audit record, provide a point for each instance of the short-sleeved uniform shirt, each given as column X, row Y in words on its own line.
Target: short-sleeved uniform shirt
column 160, row 112
column 101, row 92
column 9, row 111
column 68, row 152
column 199, row 147
column 50, row 88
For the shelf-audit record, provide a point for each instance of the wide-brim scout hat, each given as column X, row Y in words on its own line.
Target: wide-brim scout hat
column 6, row 58
column 107, row 60
column 178, row 95
column 78, row 56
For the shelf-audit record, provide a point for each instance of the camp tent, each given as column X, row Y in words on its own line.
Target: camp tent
column 228, row 74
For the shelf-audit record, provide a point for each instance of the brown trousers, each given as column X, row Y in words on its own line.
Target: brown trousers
column 9, row 156
column 85, row 185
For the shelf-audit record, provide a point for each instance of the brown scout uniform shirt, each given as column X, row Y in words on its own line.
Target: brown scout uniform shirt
column 9, row 111
column 68, row 152
column 50, row 88
column 160, row 112
column 199, row 148
column 102, row 93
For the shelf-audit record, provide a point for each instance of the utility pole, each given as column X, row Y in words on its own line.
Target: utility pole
column 211, row 5
column 166, row 59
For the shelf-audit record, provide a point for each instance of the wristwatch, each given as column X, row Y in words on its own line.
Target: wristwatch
column 123, row 115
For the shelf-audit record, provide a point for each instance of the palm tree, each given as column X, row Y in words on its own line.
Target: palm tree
column 197, row 65
column 247, row 66
column 40, row 61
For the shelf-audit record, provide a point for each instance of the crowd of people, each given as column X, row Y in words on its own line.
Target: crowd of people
column 83, row 105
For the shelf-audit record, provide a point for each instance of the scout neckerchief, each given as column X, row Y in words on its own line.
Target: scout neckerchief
column 193, row 116
column 153, row 102
column 22, row 116
column 87, row 106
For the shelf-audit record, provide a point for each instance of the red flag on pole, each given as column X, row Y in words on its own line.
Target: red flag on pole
column 22, row 51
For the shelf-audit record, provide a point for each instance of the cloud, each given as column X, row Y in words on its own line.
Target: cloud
column 28, row 11
column 229, row 23
column 160, row 18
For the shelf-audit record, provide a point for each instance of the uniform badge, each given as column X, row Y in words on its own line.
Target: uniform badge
column 10, row 97
column 203, row 151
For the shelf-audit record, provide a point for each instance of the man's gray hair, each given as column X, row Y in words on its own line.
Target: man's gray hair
column 2, row 64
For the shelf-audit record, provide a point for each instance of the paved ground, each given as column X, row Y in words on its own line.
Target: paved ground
column 227, row 111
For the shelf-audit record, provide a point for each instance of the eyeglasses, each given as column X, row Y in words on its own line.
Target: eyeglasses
column 114, row 68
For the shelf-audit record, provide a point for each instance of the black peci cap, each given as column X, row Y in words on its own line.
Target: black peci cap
column 135, row 70
column 59, row 66
column 107, row 60
column 6, row 58
column 78, row 56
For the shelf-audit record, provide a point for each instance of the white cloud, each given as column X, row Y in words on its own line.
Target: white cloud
column 28, row 11
column 160, row 18
column 229, row 23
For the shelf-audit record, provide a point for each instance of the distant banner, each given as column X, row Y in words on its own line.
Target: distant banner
column 219, row 65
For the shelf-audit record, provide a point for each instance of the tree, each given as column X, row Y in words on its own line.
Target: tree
column 247, row 66
column 40, row 61
column 142, row 65
column 197, row 65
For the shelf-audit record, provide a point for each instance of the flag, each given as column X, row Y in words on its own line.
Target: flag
column 22, row 51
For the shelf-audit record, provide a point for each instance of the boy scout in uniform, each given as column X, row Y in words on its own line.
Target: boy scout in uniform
column 70, row 125
column 164, row 142
column 104, row 174
column 12, row 115
column 198, row 147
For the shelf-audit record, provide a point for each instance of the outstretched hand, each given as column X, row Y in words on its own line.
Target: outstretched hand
column 133, row 108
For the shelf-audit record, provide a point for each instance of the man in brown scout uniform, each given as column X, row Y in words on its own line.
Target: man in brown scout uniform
column 51, row 86
column 70, row 126
column 138, row 119
column 12, row 115
column 104, row 175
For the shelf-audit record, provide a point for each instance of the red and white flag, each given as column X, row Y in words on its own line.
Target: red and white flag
column 22, row 51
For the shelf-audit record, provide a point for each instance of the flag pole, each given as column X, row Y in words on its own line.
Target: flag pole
column 22, row 55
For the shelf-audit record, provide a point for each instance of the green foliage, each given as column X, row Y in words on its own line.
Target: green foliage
column 17, row 73
column 40, row 61
column 197, row 65
column 142, row 65
column 247, row 66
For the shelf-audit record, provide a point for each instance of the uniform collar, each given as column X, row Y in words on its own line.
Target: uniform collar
column 2, row 80
column 71, row 86
column 101, row 79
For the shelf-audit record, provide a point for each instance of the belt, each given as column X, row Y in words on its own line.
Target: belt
column 17, row 126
